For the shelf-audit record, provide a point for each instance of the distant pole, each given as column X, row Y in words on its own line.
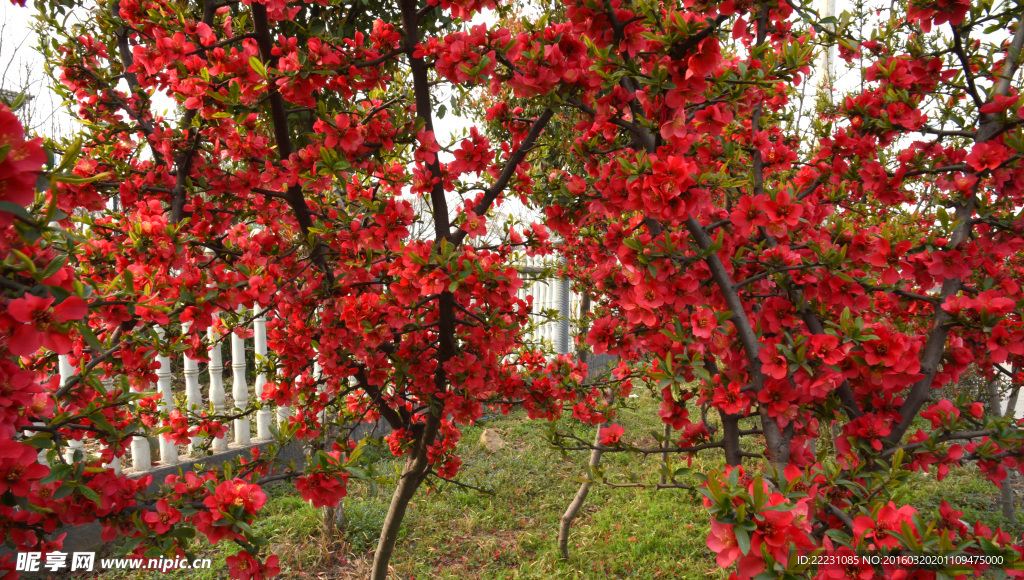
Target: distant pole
column 564, row 307
column 826, row 9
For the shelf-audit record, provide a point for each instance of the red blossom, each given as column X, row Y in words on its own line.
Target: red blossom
column 611, row 434
column 19, row 468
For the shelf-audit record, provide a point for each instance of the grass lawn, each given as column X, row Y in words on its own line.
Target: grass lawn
column 452, row 532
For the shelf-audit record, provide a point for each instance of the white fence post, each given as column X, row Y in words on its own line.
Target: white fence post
column 142, row 458
column 66, row 372
column 283, row 413
column 565, row 309
column 193, row 396
column 318, row 373
column 116, row 463
column 168, row 450
column 216, row 384
column 263, row 416
column 239, row 390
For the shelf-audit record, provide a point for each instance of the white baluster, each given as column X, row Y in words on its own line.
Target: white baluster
column 142, row 453
column 263, row 416
column 318, row 373
column 545, row 303
column 116, row 463
column 216, row 385
column 283, row 413
column 66, row 372
column 239, row 390
column 142, row 459
column 168, row 450
column 193, row 396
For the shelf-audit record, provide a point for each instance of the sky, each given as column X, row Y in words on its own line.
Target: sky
column 22, row 67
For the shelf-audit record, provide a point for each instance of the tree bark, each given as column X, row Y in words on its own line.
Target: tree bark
column 415, row 471
column 731, row 438
column 1006, row 500
column 577, row 502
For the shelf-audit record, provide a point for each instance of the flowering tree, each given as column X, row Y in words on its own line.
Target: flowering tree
column 814, row 292
column 282, row 184
column 805, row 288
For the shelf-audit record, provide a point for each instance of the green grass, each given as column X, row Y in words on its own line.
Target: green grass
column 451, row 532
column 967, row 490
column 620, row 533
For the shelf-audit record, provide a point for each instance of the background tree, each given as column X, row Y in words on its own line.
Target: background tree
column 786, row 288
column 280, row 186
column 816, row 287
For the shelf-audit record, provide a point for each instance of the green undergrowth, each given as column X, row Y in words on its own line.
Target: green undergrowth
column 453, row 532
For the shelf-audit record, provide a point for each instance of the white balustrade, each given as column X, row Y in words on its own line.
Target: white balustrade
column 545, row 303
column 239, row 390
column 263, row 416
column 108, row 383
column 168, row 450
column 66, row 372
column 546, row 293
column 193, row 396
column 115, row 465
column 216, row 368
column 142, row 453
column 318, row 373
column 283, row 413
column 142, row 458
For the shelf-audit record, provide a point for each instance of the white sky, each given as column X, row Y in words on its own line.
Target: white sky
column 21, row 67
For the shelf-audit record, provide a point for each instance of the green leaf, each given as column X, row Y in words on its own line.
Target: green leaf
column 742, row 540
column 18, row 210
column 89, row 494
column 53, row 267
column 57, row 473
column 257, row 65
column 90, row 337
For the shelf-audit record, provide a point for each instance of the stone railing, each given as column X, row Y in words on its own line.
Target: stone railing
column 555, row 335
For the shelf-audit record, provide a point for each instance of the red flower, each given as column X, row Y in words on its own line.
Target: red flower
column 712, row 119
column 704, row 323
column 17, row 386
column 322, row 489
column 475, row 225
column 827, row 349
column 948, row 265
column 611, row 434
column 704, row 61
column 850, row 566
column 941, row 414
column 780, row 400
column 429, row 147
column 747, row 214
column 238, row 493
column 887, row 350
column 889, row 258
column 987, row 155
column 38, row 326
column 19, row 468
column 163, row 518
column 773, row 363
column 774, row 528
column 21, row 164
column 244, row 567
column 1001, row 343
column 730, row 400
column 888, row 519
column 782, row 211
column 722, row 541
